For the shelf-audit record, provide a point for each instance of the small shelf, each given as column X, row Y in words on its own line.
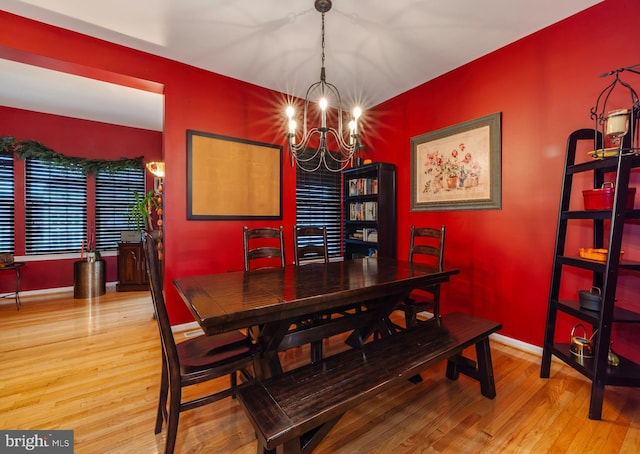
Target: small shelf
column 356, row 241
column 594, row 265
column 607, row 228
column 620, row 315
column 597, row 214
column 625, row 374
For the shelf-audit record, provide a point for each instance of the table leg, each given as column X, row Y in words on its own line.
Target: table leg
column 380, row 322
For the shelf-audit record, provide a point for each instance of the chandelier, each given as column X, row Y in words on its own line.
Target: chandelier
column 326, row 145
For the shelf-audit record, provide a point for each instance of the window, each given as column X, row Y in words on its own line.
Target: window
column 319, row 202
column 6, row 203
column 114, row 196
column 56, row 208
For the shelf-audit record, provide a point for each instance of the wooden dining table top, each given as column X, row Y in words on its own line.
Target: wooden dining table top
column 239, row 299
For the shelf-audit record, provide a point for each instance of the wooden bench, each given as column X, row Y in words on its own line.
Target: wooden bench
column 292, row 412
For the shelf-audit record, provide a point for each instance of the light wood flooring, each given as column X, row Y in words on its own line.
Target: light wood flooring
column 94, row 365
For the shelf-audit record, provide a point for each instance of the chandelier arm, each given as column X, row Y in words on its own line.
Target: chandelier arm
column 343, row 145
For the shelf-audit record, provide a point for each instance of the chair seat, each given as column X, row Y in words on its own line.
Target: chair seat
column 419, row 296
column 203, row 351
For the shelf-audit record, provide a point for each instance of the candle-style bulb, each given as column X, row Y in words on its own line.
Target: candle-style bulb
column 323, row 106
column 352, row 131
column 292, row 131
column 290, row 111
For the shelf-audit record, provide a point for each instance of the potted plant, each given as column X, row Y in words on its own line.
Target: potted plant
column 140, row 211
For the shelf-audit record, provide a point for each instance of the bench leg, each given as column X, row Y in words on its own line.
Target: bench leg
column 301, row 445
column 483, row 371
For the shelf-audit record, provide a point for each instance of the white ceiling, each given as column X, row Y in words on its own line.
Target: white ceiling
column 375, row 49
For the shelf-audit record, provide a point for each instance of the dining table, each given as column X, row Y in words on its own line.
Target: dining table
column 279, row 306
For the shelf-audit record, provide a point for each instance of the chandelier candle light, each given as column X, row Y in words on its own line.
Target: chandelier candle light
column 347, row 143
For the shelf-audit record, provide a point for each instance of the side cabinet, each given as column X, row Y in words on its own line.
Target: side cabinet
column 132, row 269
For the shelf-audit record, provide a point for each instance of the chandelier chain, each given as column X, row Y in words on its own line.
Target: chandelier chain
column 322, row 40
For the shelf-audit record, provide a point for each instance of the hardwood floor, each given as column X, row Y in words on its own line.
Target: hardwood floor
column 94, row 366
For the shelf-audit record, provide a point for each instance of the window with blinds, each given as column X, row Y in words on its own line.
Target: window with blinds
column 319, row 202
column 56, row 208
column 6, row 204
column 114, row 195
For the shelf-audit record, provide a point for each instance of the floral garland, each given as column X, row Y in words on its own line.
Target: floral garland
column 35, row 150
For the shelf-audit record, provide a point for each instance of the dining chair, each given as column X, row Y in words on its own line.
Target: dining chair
column 310, row 243
column 263, row 248
column 426, row 246
column 192, row 361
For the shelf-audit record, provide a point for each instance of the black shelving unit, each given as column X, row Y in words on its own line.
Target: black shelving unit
column 370, row 211
column 607, row 224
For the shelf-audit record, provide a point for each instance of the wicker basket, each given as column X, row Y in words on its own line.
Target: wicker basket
column 599, row 255
column 6, row 258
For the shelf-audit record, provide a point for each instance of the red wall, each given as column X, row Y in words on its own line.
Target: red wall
column 194, row 99
column 544, row 86
column 71, row 137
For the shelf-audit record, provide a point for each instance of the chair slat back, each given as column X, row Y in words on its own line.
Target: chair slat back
column 159, row 306
column 427, row 243
column 263, row 243
column 310, row 243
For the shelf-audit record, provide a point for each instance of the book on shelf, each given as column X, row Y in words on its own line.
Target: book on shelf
column 370, row 211
column 370, row 235
column 363, row 186
column 358, row 234
column 363, row 211
column 356, row 211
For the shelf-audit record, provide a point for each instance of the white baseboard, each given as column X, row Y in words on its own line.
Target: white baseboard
column 523, row 346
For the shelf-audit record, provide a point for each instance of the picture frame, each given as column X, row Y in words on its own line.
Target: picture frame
column 458, row 167
column 232, row 178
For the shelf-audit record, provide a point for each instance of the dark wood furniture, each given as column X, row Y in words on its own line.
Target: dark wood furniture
column 608, row 231
column 370, row 211
column 15, row 266
column 261, row 246
column 277, row 299
column 291, row 413
column 132, row 269
column 310, row 243
column 192, row 361
column 425, row 246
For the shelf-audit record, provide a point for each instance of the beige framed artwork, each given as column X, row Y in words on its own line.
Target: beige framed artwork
column 231, row 178
column 458, row 167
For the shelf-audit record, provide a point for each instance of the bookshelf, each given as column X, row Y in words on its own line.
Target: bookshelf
column 370, row 211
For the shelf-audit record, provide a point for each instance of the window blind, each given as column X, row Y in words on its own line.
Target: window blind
column 6, row 204
column 319, row 202
column 56, row 208
column 114, row 196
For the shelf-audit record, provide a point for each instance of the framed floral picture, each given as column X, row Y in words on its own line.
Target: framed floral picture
column 458, row 167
